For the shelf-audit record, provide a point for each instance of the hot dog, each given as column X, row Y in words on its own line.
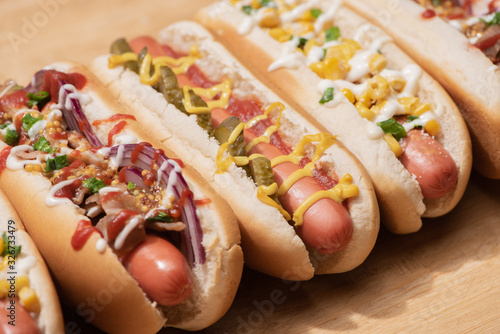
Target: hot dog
column 29, row 301
column 147, row 243
column 458, row 43
column 347, row 77
column 278, row 172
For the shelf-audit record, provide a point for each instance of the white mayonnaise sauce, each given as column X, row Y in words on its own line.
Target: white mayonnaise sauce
column 122, row 236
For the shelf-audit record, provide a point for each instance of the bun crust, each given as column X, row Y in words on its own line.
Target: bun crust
column 464, row 71
column 50, row 319
column 401, row 201
column 259, row 224
column 97, row 283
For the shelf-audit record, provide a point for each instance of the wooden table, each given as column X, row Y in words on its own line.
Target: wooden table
column 441, row 279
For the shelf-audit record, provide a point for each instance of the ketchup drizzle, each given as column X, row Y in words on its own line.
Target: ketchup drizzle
column 83, row 231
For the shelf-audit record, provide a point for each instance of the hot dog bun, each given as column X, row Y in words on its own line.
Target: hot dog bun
column 400, row 197
column 49, row 319
column 464, row 71
column 270, row 243
column 96, row 283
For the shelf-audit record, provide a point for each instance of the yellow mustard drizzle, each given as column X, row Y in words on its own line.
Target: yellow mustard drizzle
column 263, row 194
column 189, row 106
column 344, row 189
column 179, row 65
column 224, row 88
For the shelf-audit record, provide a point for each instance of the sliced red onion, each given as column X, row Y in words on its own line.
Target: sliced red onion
column 74, row 116
column 171, row 178
column 134, row 175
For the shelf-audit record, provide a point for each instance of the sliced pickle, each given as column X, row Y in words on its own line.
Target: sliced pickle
column 169, row 87
column 263, row 174
column 203, row 120
column 121, row 46
column 237, row 149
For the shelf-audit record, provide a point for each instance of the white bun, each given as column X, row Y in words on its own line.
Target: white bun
column 97, row 283
column 50, row 319
column 401, row 201
column 261, row 225
column 464, row 71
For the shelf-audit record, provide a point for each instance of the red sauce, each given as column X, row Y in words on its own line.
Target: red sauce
column 15, row 100
column 59, row 135
column 203, row 201
column 51, row 82
column 116, row 129
column 428, row 13
column 113, row 118
column 248, row 109
column 186, row 193
column 137, row 150
column 149, row 178
column 69, row 190
column 179, row 162
column 198, row 78
column 326, row 181
column 4, row 154
column 156, row 156
column 82, row 233
column 118, row 223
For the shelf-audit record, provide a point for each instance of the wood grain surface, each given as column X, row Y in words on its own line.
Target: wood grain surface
column 443, row 279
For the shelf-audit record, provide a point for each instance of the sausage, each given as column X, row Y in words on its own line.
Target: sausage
column 327, row 226
column 432, row 165
column 161, row 270
column 24, row 323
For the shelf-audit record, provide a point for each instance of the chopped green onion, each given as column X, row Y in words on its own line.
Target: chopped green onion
column 327, row 95
column 29, row 121
column 495, row 19
column 130, row 186
column 94, row 184
column 7, row 250
column 247, row 9
column 3, row 126
column 34, row 99
column 302, row 42
column 266, row 3
column 412, row 118
column 56, row 163
column 391, row 126
column 161, row 217
column 332, row 34
column 42, row 144
column 316, row 12
column 11, row 138
column 436, row 3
